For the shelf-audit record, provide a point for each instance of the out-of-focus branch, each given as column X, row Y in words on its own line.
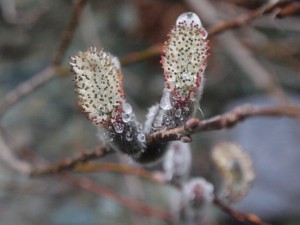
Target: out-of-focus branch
column 155, row 177
column 244, row 19
column 69, row 164
column 6, row 154
column 260, row 76
column 69, row 31
column 134, row 205
column 37, row 80
column 48, row 73
column 223, row 121
column 25, row 88
column 291, row 9
column 152, row 51
column 239, row 216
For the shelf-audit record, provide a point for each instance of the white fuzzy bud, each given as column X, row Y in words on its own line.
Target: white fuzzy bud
column 177, row 161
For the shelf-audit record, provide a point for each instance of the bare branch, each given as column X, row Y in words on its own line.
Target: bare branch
column 6, row 154
column 69, row 32
column 219, row 122
column 288, row 10
column 26, row 88
column 134, row 205
column 69, row 164
column 239, row 216
column 155, row 177
column 19, row 92
column 48, row 73
column 244, row 19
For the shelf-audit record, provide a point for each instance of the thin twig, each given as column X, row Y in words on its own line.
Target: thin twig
column 239, row 216
column 244, row 19
column 7, row 155
column 48, row 73
column 155, row 177
column 18, row 93
column 69, row 32
column 134, row 205
column 69, row 164
column 288, row 10
column 223, row 121
column 133, row 57
column 25, row 88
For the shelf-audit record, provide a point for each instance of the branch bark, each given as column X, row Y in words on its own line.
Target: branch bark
column 226, row 120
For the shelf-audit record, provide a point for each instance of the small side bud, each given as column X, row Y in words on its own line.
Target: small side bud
column 177, row 161
column 197, row 196
column 235, row 168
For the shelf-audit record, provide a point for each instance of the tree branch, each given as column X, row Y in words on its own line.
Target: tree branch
column 39, row 79
column 244, row 19
column 239, row 216
column 219, row 122
column 69, row 31
column 48, row 73
column 91, row 186
column 69, row 164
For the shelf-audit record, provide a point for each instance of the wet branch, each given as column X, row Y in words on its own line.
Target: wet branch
column 226, row 120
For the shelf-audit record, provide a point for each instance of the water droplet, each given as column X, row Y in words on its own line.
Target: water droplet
column 116, row 61
column 178, row 113
column 204, row 33
column 186, row 76
column 126, row 117
column 192, row 97
column 165, row 100
column 132, row 117
column 119, row 127
column 190, row 18
column 139, row 127
column 186, row 109
column 141, row 137
column 127, row 108
column 167, row 121
column 128, row 136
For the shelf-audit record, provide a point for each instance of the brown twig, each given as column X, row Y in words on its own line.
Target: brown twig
column 219, row 122
column 134, row 205
column 288, row 10
column 7, row 155
column 239, row 216
column 36, row 81
column 69, row 164
column 152, row 177
column 244, row 19
column 25, row 88
column 152, row 51
column 155, row 177
column 69, row 31
column 48, row 73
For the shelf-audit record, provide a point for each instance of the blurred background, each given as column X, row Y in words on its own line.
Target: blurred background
column 257, row 64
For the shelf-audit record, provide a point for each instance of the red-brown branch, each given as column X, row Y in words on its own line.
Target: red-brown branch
column 223, row 121
column 134, row 205
column 70, row 164
column 239, row 216
column 48, row 73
